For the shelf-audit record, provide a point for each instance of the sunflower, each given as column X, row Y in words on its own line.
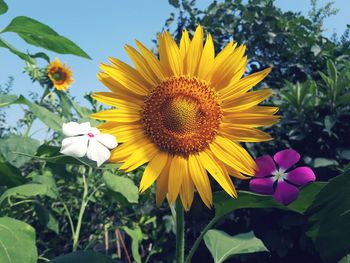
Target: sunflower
column 184, row 114
column 60, row 75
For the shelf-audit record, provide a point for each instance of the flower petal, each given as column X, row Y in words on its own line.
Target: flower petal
column 285, row 193
column 75, row 146
column 73, row 128
column 97, row 152
column 107, row 140
column 262, row 185
column 266, row 166
column 286, row 158
column 301, row 175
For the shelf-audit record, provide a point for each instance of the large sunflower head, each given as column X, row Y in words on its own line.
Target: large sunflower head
column 60, row 75
column 184, row 114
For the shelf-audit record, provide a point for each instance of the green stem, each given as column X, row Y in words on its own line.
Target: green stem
column 199, row 239
column 180, row 232
column 84, row 203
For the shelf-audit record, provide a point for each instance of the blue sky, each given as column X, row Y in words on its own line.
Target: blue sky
column 103, row 28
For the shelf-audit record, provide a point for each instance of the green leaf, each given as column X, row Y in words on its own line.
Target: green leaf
column 52, row 120
column 15, row 51
column 136, row 237
column 323, row 162
column 7, row 99
column 10, row 175
column 225, row 204
column 3, row 7
column 41, row 35
column 329, row 216
column 46, row 178
column 11, row 145
column 85, row 256
column 25, row 190
column 65, row 104
column 17, row 242
column 345, row 259
column 46, row 218
column 122, row 185
column 222, row 246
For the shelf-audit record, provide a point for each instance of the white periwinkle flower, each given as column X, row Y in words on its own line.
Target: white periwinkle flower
column 82, row 139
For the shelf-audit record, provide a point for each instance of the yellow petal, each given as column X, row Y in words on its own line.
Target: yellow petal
column 126, row 133
column 252, row 120
column 112, row 99
column 211, row 165
column 128, row 81
column 122, row 115
column 246, row 100
column 118, row 89
column 170, row 54
column 236, row 174
column 122, row 152
column 200, row 179
column 141, row 65
column 227, row 176
column 176, row 173
column 207, row 58
column 153, row 170
column 243, row 134
column 187, row 190
column 194, row 51
column 243, row 85
column 140, row 156
column 162, row 183
column 222, row 75
column 152, row 61
column 233, row 155
column 184, row 44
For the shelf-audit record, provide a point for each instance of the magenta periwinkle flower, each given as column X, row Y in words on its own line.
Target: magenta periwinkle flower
column 278, row 181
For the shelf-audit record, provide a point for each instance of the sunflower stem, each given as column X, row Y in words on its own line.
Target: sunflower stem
column 199, row 239
column 180, row 232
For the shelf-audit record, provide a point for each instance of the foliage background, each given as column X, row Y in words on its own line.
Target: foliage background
column 311, row 76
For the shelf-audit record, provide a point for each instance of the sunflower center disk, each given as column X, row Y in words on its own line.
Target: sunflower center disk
column 182, row 115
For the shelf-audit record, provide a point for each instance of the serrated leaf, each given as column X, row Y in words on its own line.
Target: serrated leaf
column 122, row 185
column 41, row 35
column 17, row 242
column 223, row 246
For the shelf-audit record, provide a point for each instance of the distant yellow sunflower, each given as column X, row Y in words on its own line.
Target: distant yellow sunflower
column 184, row 114
column 60, row 75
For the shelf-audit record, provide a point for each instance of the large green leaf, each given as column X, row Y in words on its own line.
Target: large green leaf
column 84, row 257
column 329, row 216
column 122, row 185
column 7, row 99
column 222, row 246
column 136, row 237
column 17, row 242
column 41, row 35
column 224, row 204
column 15, row 51
column 52, row 120
column 3, row 7
column 11, row 145
column 26, row 190
column 10, row 175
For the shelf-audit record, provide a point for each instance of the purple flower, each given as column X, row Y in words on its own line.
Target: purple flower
column 278, row 181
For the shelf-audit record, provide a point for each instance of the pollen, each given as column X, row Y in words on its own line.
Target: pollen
column 182, row 115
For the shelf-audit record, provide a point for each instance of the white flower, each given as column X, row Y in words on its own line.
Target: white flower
column 82, row 139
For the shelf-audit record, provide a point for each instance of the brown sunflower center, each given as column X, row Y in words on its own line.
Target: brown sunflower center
column 182, row 115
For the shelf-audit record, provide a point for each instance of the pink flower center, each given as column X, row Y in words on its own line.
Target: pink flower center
column 91, row 135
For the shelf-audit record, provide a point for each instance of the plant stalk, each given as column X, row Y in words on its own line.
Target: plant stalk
column 180, row 232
